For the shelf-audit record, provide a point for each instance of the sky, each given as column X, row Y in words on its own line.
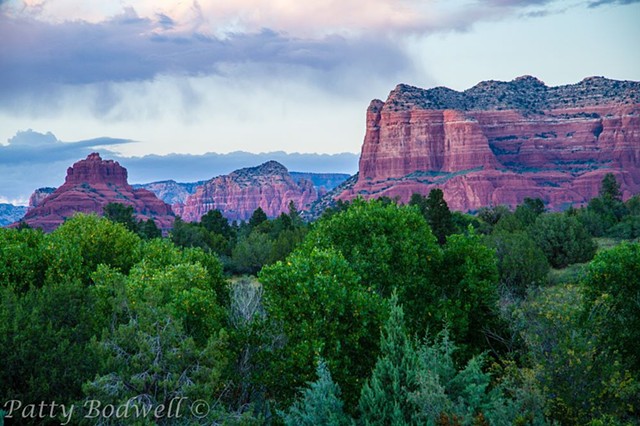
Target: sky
column 141, row 78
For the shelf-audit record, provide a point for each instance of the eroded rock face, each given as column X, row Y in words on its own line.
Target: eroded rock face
column 89, row 186
column 39, row 195
column 237, row 195
column 500, row 142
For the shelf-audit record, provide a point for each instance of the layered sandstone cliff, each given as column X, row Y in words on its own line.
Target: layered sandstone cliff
column 500, row 142
column 90, row 185
column 237, row 195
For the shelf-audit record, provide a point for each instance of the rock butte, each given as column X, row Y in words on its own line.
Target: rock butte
column 89, row 186
column 268, row 186
column 500, row 142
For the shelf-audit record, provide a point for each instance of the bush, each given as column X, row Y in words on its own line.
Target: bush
column 562, row 239
column 521, row 263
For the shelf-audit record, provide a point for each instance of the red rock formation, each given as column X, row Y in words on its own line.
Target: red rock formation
column 498, row 143
column 237, row 195
column 90, row 185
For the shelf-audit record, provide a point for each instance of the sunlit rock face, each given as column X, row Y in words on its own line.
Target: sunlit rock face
column 500, row 142
column 269, row 186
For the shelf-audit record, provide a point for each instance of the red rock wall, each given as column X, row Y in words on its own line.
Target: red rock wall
column 492, row 157
column 239, row 194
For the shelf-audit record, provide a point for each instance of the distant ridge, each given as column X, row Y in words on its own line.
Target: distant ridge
column 237, row 195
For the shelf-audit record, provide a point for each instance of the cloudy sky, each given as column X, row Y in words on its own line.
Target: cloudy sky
column 196, row 76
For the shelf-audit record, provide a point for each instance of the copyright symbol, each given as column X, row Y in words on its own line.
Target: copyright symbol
column 200, row 408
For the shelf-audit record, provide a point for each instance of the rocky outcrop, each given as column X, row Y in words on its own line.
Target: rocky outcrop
column 237, row 195
column 170, row 191
column 90, row 185
column 500, row 142
column 323, row 182
column 39, row 195
column 10, row 213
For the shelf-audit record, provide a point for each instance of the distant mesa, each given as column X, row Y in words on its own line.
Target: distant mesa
column 237, row 195
column 91, row 184
column 500, row 142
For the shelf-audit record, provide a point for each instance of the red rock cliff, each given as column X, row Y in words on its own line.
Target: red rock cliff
column 500, row 142
column 237, row 195
column 90, row 185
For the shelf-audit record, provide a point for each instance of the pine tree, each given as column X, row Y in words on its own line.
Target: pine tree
column 436, row 211
column 384, row 398
column 257, row 218
column 320, row 403
column 610, row 188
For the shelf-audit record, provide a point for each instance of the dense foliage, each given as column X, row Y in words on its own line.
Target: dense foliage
column 377, row 313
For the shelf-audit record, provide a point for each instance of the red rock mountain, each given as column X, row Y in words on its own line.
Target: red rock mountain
column 90, row 185
column 268, row 186
column 500, row 142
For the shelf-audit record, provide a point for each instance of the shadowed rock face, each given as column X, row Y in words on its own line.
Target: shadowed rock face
column 500, row 142
column 268, row 186
column 89, row 186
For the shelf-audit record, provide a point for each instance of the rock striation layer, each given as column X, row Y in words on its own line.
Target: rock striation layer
column 90, row 185
column 500, row 142
column 269, row 186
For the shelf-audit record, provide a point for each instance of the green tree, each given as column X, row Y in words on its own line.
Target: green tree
column 563, row 239
column 213, row 221
column 22, row 262
column 252, row 252
column 150, row 361
column 121, row 213
column 45, row 336
column 492, row 214
column 387, row 245
column 436, row 211
column 612, row 292
column 521, row 263
column 186, row 234
column 257, row 218
column 417, row 384
column 633, row 205
column 79, row 245
column 466, row 295
column 319, row 404
column 148, row 229
column 384, row 399
column 317, row 303
column 581, row 379
column 610, row 188
column 529, row 210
